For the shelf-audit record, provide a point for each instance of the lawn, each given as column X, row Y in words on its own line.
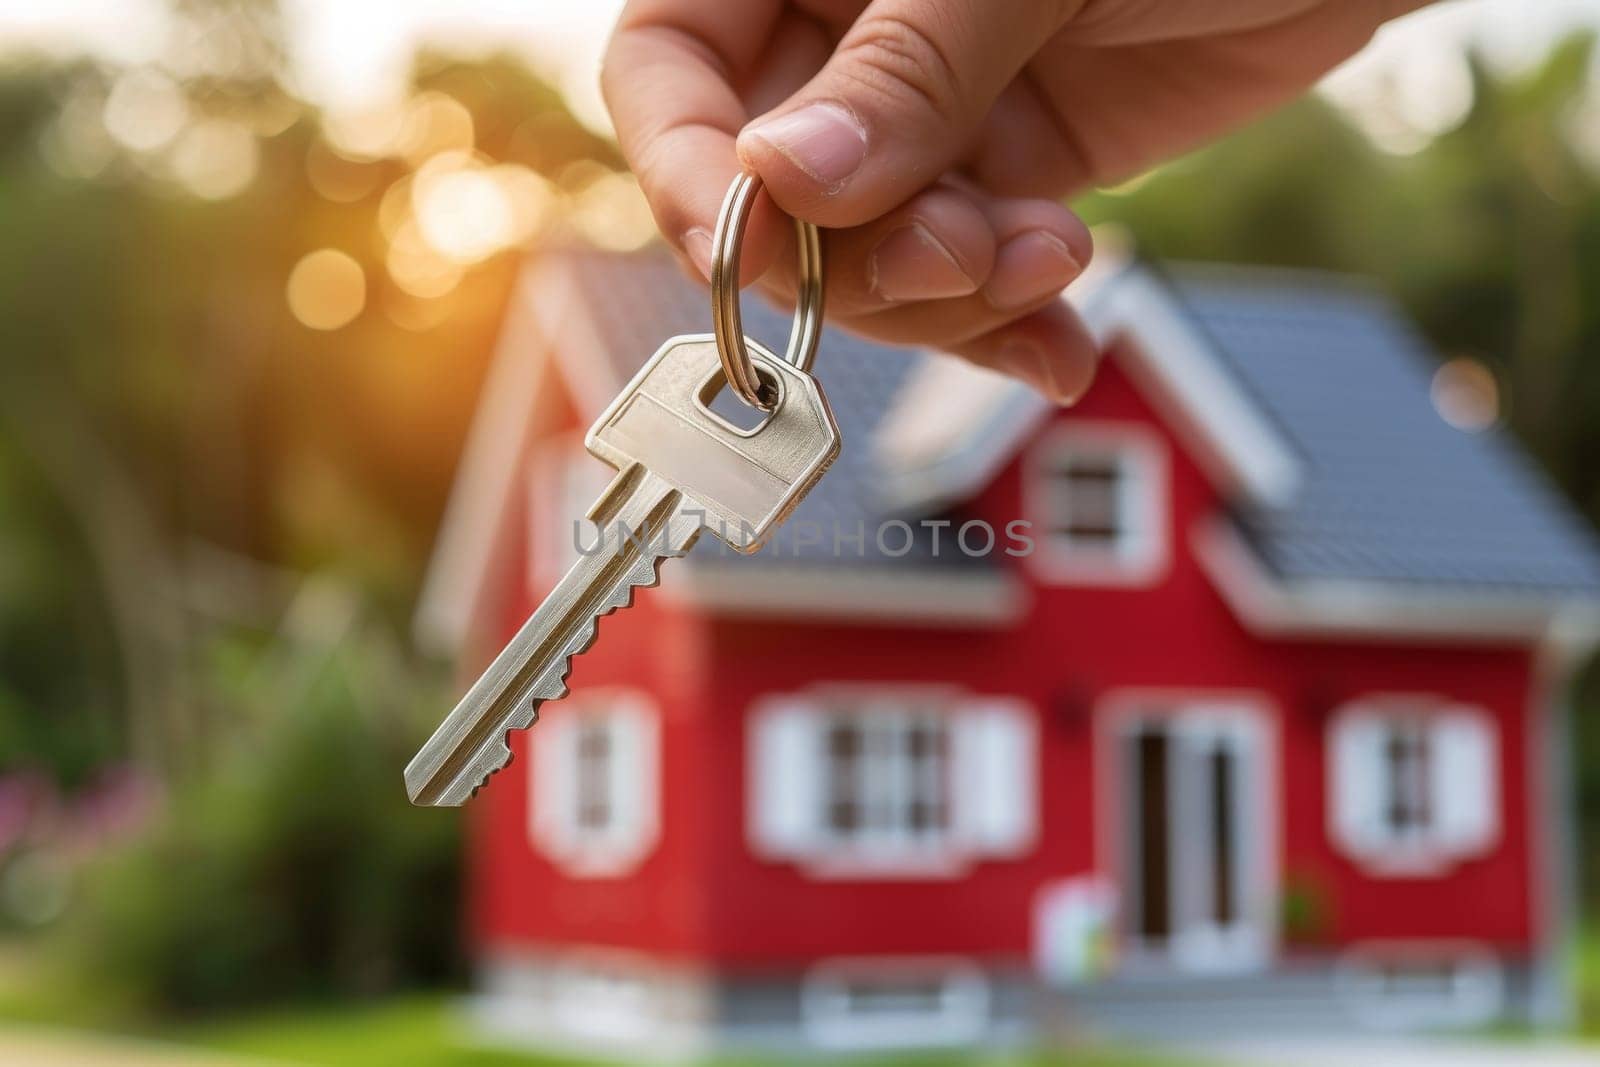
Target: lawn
column 427, row 1032
column 1589, row 981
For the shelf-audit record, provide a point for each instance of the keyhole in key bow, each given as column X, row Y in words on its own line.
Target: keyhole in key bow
column 720, row 402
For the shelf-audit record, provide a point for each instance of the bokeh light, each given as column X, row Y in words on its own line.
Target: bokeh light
column 464, row 214
column 216, row 159
column 327, row 289
column 434, row 123
column 613, row 213
column 1466, row 395
column 145, row 110
column 366, row 134
column 337, row 177
column 417, row 267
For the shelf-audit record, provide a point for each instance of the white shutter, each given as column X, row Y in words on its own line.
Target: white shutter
column 784, row 772
column 995, row 779
column 551, row 815
column 1465, row 782
column 635, row 781
column 1356, row 782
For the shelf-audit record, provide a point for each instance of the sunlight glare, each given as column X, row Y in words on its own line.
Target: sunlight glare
column 370, row 133
column 417, row 267
column 327, row 289
column 613, row 213
column 216, row 159
column 464, row 213
column 145, row 110
column 434, row 123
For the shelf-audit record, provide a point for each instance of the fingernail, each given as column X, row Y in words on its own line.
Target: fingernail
column 1026, row 360
column 912, row 264
column 697, row 246
column 824, row 140
column 1029, row 268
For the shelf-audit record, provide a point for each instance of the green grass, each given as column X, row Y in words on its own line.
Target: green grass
column 429, row 1032
column 1589, row 981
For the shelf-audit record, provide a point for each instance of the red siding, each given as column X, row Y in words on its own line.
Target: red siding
column 702, row 894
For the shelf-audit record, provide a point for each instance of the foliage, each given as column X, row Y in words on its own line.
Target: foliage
column 293, row 866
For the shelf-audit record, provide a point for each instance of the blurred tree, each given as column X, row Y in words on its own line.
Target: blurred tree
column 158, row 397
column 296, row 867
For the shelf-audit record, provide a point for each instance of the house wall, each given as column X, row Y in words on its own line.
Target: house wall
column 1079, row 653
column 518, row 898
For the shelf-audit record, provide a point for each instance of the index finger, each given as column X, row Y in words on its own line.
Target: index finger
column 669, row 80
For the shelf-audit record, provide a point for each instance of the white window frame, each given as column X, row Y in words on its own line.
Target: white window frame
column 834, row 1016
column 1366, row 834
column 632, row 827
column 988, row 770
column 565, row 480
column 1140, row 553
column 886, row 781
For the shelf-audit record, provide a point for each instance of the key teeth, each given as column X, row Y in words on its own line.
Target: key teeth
column 650, row 566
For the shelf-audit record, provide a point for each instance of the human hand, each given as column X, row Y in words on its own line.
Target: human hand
column 936, row 138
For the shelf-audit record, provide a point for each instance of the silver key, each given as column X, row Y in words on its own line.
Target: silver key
column 681, row 469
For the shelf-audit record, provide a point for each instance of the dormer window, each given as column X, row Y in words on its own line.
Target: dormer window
column 1096, row 496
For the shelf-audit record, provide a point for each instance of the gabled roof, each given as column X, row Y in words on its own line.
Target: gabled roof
column 1389, row 491
column 1305, row 397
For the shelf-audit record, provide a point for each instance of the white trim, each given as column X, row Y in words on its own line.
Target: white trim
column 787, row 769
column 563, row 481
column 951, row 429
column 1425, row 851
column 632, row 789
column 474, row 515
column 1249, row 719
column 1475, row 996
column 1179, row 368
column 1134, row 314
column 1372, row 609
column 1142, row 554
column 986, row 599
column 548, row 329
column 831, row 1019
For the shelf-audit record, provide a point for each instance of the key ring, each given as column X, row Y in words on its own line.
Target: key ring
column 726, row 320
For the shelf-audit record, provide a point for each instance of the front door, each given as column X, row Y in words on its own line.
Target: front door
column 1197, row 879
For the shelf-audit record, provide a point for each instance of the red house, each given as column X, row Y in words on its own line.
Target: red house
column 1230, row 698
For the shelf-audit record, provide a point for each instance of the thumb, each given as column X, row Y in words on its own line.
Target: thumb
column 894, row 106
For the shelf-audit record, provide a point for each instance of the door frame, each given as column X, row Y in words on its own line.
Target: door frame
column 1250, row 719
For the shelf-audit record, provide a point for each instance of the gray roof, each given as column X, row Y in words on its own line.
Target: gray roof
column 860, row 379
column 1388, row 491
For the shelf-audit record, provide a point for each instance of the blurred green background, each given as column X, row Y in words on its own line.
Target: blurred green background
column 242, row 339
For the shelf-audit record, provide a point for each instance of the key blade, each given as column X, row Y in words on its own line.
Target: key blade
column 470, row 745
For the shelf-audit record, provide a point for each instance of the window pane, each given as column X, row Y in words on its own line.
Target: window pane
column 1086, row 500
column 1222, row 835
column 888, row 777
column 1408, row 807
column 593, row 776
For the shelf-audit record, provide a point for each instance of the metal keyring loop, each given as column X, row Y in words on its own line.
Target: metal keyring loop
column 726, row 319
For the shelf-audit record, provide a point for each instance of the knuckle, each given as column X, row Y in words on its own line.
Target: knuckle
column 894, row 58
